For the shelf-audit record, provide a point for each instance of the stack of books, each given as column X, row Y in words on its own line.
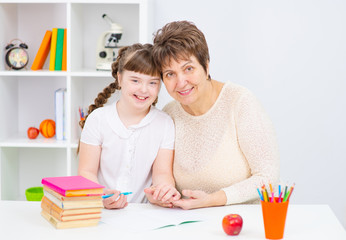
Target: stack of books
column 71, row 201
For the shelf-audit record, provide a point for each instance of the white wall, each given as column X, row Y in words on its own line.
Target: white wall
column 292, row 55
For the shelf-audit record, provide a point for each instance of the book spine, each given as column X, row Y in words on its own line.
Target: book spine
column 59, row 49
column 53, row 49
column 64, row 52
column 56, row 201
column 51, row 208
column 60, row 113
column 42, row 52
column 53, row 187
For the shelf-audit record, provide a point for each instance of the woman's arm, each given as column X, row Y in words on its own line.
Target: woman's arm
column 257, row 141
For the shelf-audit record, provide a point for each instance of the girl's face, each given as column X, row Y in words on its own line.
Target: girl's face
column 185, row 80
column 138, row 90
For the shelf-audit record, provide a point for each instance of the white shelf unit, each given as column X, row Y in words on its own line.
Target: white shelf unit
column 27, row 97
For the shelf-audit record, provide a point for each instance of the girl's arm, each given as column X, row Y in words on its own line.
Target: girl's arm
column 163, row 188
column 89, row 161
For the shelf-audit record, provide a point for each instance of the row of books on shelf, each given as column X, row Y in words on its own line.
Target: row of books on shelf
column 55, row 42
column 71, row 201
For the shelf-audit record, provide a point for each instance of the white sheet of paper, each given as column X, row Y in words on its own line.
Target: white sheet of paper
column 153, row 217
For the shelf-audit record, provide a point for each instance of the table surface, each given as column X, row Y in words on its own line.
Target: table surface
column 22, row 220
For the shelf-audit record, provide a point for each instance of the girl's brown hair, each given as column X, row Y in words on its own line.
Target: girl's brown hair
column 179, row 40
column 137, row 58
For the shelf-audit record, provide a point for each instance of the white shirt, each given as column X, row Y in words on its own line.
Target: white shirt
column 128, row 153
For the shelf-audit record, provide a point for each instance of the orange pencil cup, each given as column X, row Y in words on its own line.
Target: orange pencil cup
column 274, row 218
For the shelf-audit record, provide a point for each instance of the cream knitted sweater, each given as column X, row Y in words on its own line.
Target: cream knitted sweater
column 231, row 147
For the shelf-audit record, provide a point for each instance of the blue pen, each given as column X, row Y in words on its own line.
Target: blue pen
column 109, row 195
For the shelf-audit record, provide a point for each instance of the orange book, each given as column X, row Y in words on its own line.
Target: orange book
column 69, row 215
column 42, row 52
column 64, row 52
column 74, row 198
column 69, row 224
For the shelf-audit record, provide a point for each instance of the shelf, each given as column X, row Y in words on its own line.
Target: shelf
column 27, row 97
column 29, row 73
column 39, row 142
column 47, row 73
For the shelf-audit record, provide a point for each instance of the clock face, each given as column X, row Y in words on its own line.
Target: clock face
column 17, row 58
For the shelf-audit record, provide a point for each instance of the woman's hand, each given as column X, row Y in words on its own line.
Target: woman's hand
column 162, row 195
column 199, row 199
column 114, row 201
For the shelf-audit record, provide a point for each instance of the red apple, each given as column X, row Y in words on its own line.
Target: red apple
column 33, row 132
column 232, row 224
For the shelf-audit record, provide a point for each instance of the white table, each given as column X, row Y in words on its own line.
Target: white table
column 22, row 220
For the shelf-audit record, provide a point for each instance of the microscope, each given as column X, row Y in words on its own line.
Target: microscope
column 107, row 46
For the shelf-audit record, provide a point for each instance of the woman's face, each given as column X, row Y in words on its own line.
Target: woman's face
column 185, row 80
column 138, row 90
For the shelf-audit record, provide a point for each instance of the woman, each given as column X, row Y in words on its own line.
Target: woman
column 225, row 145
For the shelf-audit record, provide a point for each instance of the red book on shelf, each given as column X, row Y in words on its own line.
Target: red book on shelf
column 73, row 186
column 42, row 52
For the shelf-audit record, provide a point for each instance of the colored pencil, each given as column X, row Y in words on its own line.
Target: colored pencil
column 286, row 196
column 259, row 193
column 279, row 200
column 285, row 190
column 279, row 189
column 291, row 190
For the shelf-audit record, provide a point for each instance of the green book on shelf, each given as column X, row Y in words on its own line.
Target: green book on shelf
column 59, row 49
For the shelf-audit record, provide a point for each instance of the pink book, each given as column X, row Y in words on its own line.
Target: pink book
column 71, row 186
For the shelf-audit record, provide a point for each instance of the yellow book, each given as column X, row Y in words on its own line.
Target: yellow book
column 53, row 49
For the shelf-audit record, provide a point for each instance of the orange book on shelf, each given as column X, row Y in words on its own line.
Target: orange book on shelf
column 64, row 52
column 42, row 52
column 53, row 49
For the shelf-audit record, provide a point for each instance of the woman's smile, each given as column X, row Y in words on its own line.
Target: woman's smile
column 185, row 92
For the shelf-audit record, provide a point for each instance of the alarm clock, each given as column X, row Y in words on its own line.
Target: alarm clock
column 16, row 56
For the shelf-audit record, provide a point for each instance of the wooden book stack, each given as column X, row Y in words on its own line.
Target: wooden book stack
column 71, row 201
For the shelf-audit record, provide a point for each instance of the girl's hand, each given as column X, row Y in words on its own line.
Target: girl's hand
column 114, row 201
column 166, row 193
column 162, row 195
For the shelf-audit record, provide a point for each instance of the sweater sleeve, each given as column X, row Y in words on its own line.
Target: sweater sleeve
column 257, row 141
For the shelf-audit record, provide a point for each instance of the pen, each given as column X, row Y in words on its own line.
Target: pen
column 109, row 195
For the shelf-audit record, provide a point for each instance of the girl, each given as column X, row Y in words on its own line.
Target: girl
column 128, row 145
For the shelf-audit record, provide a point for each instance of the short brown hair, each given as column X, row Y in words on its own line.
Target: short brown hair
column 179, row 40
